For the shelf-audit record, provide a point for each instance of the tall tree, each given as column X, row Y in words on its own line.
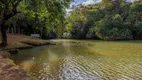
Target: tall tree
column 8, row 9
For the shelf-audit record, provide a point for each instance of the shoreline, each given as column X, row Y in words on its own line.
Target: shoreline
column 9, row 70
column 26, row 45
column 21, row 41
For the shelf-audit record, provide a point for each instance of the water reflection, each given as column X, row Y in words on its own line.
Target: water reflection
column 71, row 60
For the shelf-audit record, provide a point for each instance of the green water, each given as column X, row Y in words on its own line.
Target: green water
column 83, row 60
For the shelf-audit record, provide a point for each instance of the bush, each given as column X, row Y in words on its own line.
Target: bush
column 138, row 30
column 112, row 28
column 139, row 25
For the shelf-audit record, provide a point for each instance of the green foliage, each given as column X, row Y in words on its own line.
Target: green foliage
column 108, row 20
column 139, row 25
column 38, row 16
column 112, row 28
column 76, row 24
column 80, row 21
column 138, row 29
column 137, row 6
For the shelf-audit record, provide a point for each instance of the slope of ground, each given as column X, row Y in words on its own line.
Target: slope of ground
column 20, row 41
column 9, row 71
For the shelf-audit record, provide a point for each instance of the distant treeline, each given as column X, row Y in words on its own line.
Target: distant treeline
column 107, row 20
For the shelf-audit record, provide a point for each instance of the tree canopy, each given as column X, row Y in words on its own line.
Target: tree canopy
column 36, row 16
column 108, row 20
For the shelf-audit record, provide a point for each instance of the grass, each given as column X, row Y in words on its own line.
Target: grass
column 19, row 41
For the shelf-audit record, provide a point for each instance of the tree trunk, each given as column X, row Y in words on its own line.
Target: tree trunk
column 12, row 30
column 14, row 27
column 3, row 35
column 7, row 17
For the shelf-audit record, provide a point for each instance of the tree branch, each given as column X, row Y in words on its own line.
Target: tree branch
column 14, row 10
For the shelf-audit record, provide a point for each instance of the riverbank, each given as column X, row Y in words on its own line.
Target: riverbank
column 9, row 71
column 19, row 41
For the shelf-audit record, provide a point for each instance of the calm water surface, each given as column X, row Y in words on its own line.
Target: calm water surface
column 83, row 60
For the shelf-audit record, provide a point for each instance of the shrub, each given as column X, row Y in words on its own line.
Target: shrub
column 112, row 28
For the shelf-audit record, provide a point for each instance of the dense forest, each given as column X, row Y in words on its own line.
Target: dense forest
column 107, row 20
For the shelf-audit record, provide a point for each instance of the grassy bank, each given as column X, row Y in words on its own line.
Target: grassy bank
column 19, row 41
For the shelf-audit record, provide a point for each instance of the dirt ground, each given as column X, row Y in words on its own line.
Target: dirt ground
column 18, row 41
column 9, row 71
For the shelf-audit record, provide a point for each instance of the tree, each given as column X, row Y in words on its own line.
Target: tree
column 112, row 28
column 6, row 13
column 108, row 20
column 76, row 22
column 8, row 9
column 134, row 17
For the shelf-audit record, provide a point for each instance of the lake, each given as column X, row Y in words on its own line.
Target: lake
column 83, row 60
